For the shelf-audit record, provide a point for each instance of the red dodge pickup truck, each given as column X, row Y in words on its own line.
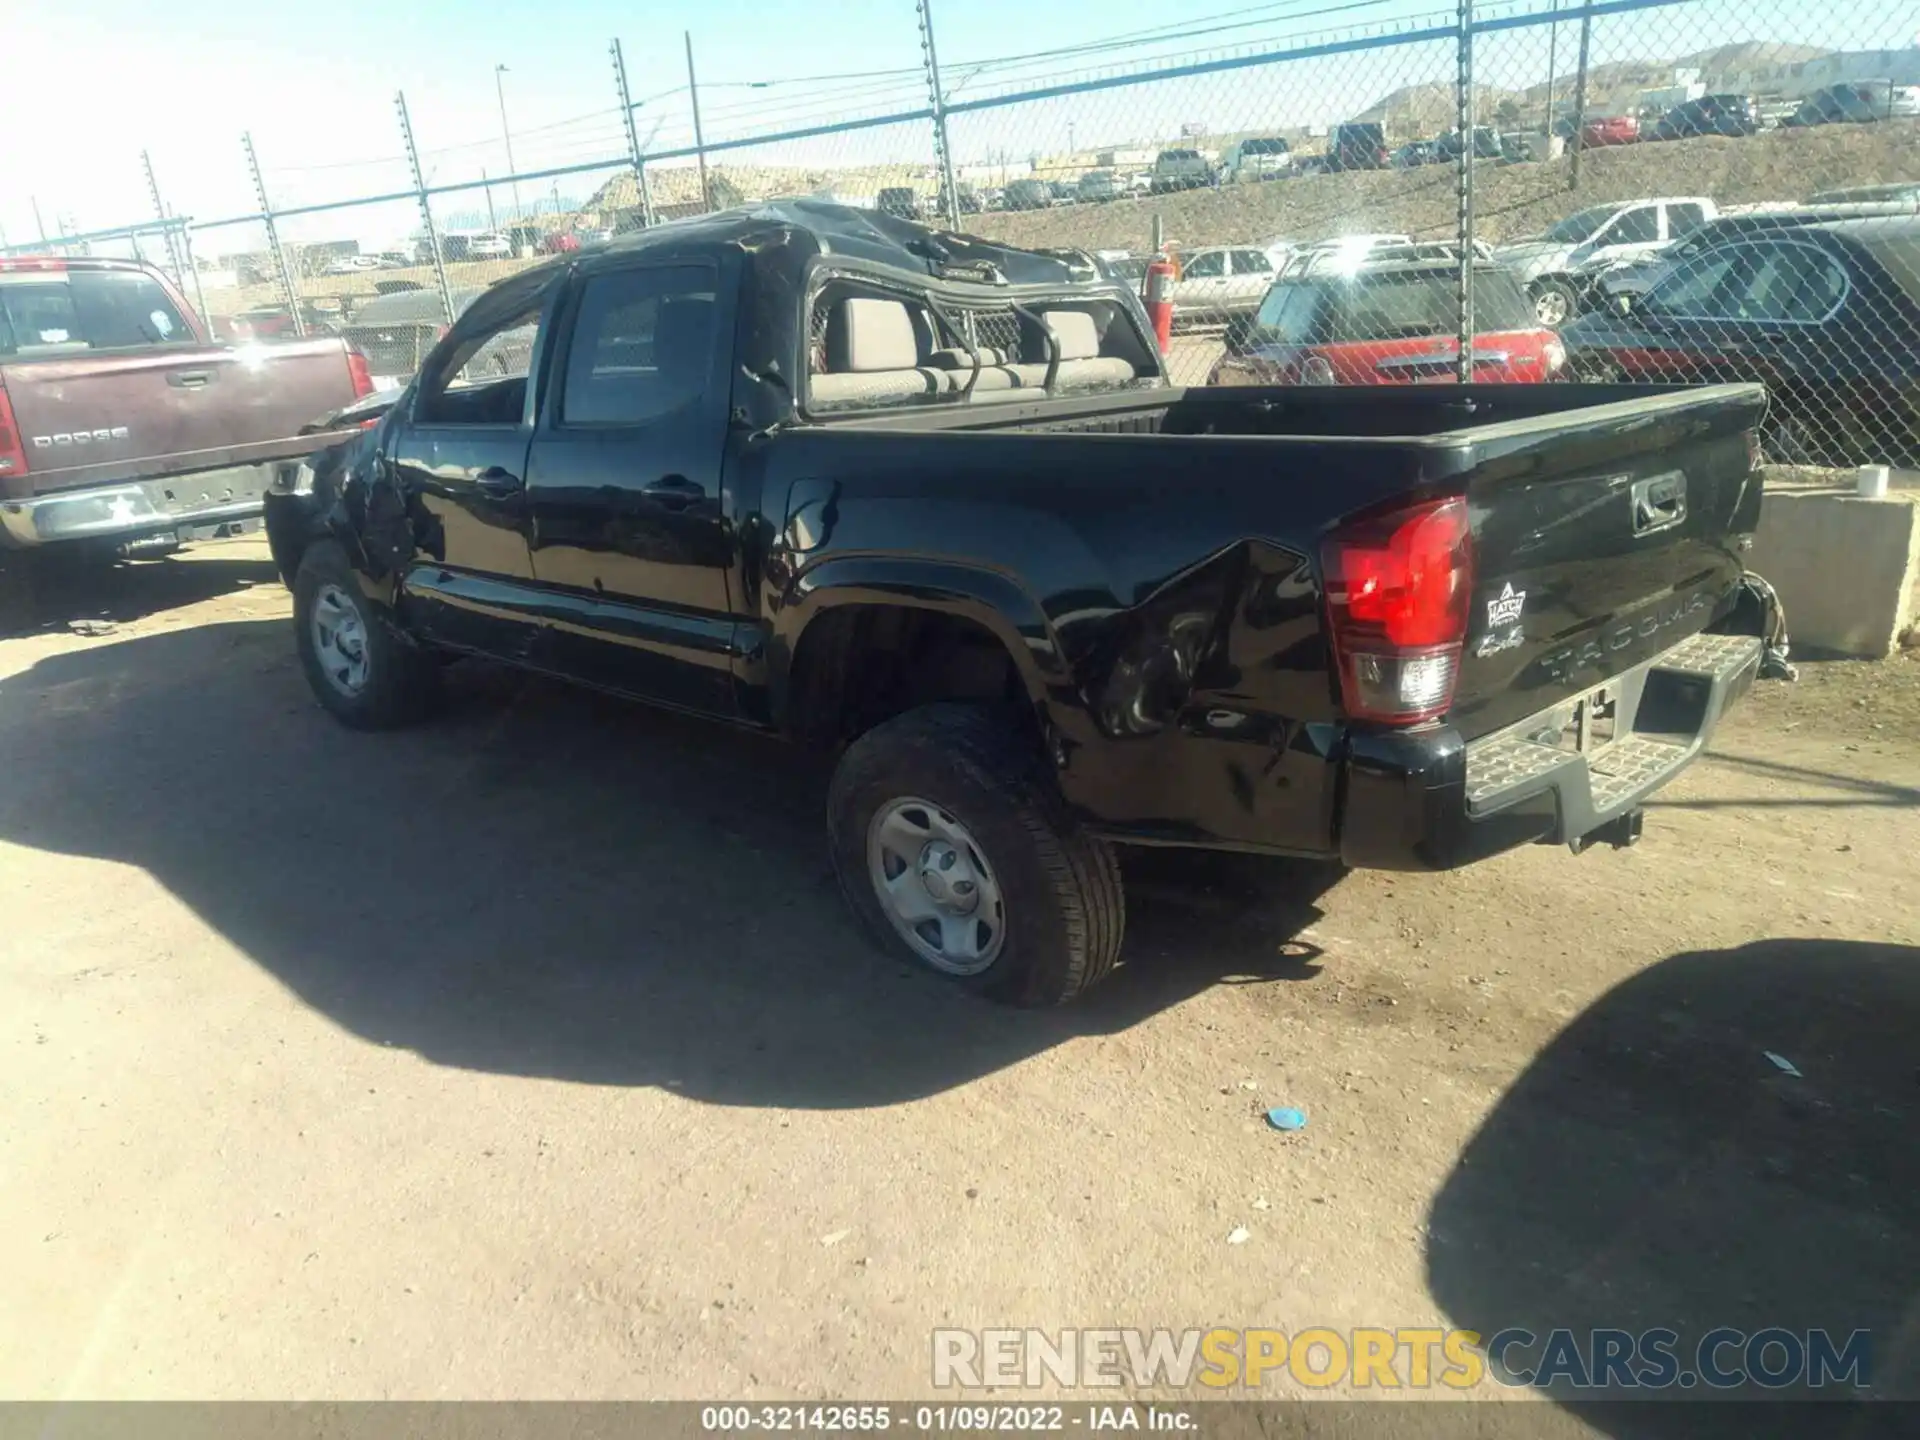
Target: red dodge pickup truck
column 122, row 424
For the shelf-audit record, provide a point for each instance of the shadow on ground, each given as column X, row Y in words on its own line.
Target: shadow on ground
column 546, row 882
column 1655, row 1168
column 51, row 591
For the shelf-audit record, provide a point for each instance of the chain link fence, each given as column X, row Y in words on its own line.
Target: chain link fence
column 1671, row 191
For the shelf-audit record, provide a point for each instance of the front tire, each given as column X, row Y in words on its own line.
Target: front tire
column 361, row 668
column 1554, row 303
column 955, row 850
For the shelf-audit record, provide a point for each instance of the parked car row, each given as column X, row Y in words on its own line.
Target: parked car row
column 1821, row 303
column 1848, row 102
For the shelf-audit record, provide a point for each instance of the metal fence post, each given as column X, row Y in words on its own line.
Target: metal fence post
column 426, row 205
column 160, row 213
column 937, row 102
column 1463, row 122
column 273, row 238
column 633, row 137
column 699, row 140
column 1580, row 97
column 193, row 268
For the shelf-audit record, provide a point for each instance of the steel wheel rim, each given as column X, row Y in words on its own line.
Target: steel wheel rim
column 340, row 640
column 935, row 886
column 1550, row 308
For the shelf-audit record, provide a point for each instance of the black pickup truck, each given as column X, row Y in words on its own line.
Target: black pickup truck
column 932, row 504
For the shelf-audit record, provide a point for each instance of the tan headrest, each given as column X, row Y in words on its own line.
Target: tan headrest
column 866, row 334
column 1078, row 336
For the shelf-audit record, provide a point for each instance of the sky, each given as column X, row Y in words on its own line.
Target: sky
column 99, row 81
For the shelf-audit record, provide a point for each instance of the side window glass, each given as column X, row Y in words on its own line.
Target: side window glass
column 1683, row 220
column 1251, row 262
column 482, row 380
column 1636, row 227
column 1210, row 266
column 642, row 346
column 1791, row 283
column 1695, row 288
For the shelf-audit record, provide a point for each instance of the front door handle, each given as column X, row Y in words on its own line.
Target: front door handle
column 189, row 379
column 676, row 492
column 497, row 484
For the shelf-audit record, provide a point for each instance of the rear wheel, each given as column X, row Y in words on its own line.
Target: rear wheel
column 1554, row 302
column 361, row 668
column 954, row 848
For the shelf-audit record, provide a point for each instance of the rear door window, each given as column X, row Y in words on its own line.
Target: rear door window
column 1208, row 266
column 1636, row 227
column 1251, row 262
column 87, row 310
column 642, row 346
column 1683, row 220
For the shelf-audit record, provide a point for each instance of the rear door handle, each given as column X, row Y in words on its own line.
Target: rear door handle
column 189, row 379
column 676, row 492
column 497, row 484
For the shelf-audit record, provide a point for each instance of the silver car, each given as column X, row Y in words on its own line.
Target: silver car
column 1220, row 283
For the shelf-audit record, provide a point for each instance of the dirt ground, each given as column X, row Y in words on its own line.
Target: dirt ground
column 530, row 1054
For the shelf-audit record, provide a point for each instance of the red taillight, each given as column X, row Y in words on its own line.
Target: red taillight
column 361, row 375
column 13, row 449
column 1398, row 588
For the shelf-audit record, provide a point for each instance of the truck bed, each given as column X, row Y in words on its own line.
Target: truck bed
column 1572, row 582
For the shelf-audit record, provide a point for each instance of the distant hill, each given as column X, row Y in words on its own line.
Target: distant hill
column 1420, row 110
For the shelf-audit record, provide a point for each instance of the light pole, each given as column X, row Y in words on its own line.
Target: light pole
column 506, row 134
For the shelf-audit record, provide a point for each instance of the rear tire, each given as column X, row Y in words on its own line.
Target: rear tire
column 949, row 813
column 362, row 668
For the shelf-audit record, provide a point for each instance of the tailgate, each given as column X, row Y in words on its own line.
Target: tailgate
column 92, row 419
column 1602, row 536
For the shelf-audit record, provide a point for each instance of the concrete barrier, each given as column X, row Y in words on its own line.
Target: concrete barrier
column 1847, row 568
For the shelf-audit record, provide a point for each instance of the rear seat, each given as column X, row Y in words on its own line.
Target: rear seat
column 873, row 355
column 1080, row 360
column 874, row 350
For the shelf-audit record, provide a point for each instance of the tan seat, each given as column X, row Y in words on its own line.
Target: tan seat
column 1081, row 364
column 873, row 355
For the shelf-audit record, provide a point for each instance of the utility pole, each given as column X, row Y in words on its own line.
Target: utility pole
column 273, row 237
column 634, row 157
column 699, row 140
column 38, row 223
column 506, row 133
column 492, row 222
column 1580, row 98
column 426, row 206
column 937, row 103
column 1463, row 122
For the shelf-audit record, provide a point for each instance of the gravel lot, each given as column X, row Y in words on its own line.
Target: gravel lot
column 530, row 1053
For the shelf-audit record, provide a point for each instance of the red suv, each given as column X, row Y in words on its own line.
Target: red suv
column 1391, row 322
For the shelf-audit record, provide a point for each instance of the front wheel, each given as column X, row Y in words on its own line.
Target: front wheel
column 1554, row 303
column 954, row 848
column 361, row 668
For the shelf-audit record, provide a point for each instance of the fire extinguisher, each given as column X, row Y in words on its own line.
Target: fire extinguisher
column 1156, row 288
